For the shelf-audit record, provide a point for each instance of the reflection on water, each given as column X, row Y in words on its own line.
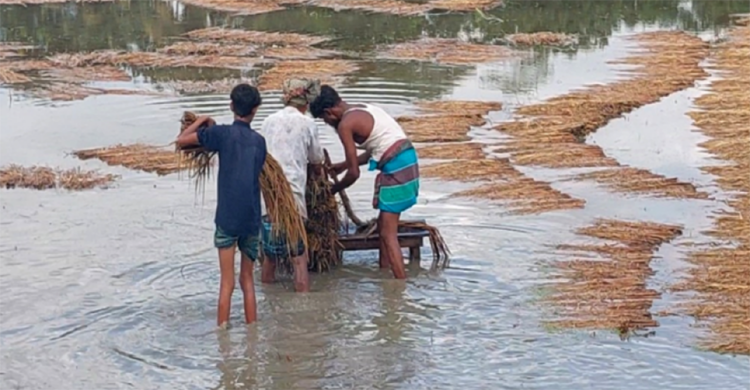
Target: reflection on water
column 117, row 288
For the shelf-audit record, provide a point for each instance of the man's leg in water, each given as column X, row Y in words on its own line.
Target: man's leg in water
column 388, row 230
column 226, row 288
column 301, row 276
column 248, row 289
column 383, row 253
column 268, row 270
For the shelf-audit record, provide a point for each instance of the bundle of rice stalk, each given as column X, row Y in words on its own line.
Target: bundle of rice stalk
column 281, row 207
column 323, row 222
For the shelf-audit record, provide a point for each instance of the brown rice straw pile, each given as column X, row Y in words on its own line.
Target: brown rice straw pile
column 42, row 178
column 464, row 5
column 260, row 38
column 439, row 128
column 328, row 71
column 668, row 62
column 8, row 76
column 243, row 7
column 640, row 181
column 395, row 7
column 188, row 48
column 471, row 170
column 452, row 151
column 446, row 51
column 323, row 223
column 150, row 60
column 140, row 157
column 604, row 286
column 524, row 195
column 720, row 272
column 544, row 38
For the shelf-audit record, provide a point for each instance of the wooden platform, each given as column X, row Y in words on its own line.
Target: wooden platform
column 411, row 238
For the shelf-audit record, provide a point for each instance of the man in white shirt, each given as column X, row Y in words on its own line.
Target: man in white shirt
column 292, row 139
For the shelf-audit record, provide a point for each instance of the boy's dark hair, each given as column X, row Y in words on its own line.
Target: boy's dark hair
column 327, row 98
column 244, row 99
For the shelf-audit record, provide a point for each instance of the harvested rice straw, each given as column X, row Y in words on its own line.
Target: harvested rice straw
column 147, row 158
column 445, row 51
column 42, row 178
column 202, row 87
column 281, row 208
column 7, row 76
column 471, row 170
column 187, row 48
column 524, row 195
column 459, row 107
column 260, row 38
column 609, row 292
column 464, row 5
column 718, row 274
column 323, row 222
column 543, row 38
column 243, row 7
column 574, row 155
column 62, row 91
column 328, row 71
column 442, row 128
column 640, row 181
column 452, row 151
column 150, row 60
column 394, row 7
column 92, row 73
column 296, row 53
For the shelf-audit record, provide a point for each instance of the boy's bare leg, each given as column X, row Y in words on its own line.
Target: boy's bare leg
column 268, row 270
column 388, row 230
column 301, row 276
column 248, row 289
column 226, row 288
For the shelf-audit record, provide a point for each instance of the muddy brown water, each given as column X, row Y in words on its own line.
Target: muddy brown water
column 116, row 289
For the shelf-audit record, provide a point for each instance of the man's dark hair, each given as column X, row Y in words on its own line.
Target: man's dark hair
column 244, row 99
column 328, row 98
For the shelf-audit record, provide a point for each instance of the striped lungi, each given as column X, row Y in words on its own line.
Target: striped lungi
column 397, row 184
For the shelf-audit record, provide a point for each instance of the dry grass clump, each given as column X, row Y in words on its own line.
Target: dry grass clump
column 260, row 38
column 327, row 71
column 544, row 38
column 42, row 178
column 464, row 5
column 140, row 157
column 471, row 170
column 296, row 53
column 446, row 51
column 640, row 181
column 150, row 60
column 395, row 7
column 323, row 223
column 439, row 128
column 452, row 151
column 8, row 76
column 524, row 195
column 12, row 49
column 719, row 275
column 606, row 289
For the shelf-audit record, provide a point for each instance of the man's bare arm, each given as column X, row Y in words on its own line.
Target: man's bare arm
column 345, row 132
column 189, row 137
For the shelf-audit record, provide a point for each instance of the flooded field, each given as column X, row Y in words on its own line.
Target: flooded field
column 594, row 203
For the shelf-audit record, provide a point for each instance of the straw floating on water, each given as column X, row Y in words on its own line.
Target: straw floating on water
column 443, row 128
column 42, row 178
column 464, row 5
column 243, row 7
column 471, row 170
column 150, row 60
column 459, row 107
column 452, row 151
column 524, row 195
column 260, row 38
column 640, row 181
column 543, row 38
column 719, row 273
column 607, row 288
column 8, row 76
column 394, row 7
column 446, row 51
column 147, row 158
column 328, row 71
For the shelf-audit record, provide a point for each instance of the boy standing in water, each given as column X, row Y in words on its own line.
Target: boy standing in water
column 387, row 149
column 242, row 153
